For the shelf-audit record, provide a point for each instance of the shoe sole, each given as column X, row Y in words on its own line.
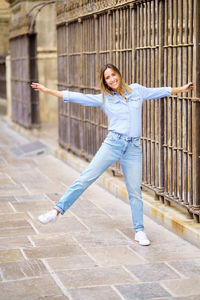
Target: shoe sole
column 51, row 221
column 143, row 244
column 42, row 221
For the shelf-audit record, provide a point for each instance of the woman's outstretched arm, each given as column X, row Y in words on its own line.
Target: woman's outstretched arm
column 161, row 92
column 183, row 89
column 39, row 87
column 68, row 96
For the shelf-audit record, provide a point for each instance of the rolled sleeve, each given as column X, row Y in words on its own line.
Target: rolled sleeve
column 82, row 99
column 65, row 96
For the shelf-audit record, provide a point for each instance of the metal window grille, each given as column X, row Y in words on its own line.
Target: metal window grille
column 2, row 77
column 25, row 104
column 154, row 43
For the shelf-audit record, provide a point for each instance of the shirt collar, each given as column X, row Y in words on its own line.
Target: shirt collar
column 114, row 93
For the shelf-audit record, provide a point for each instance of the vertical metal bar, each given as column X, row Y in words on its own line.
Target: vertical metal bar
column 196, row 110
column 150, row 104
column 161, row 40
column 156, row 103
column 190, row 59
column 165, row 83
column 35, row 111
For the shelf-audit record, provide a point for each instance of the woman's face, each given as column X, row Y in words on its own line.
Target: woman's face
column 112, row 79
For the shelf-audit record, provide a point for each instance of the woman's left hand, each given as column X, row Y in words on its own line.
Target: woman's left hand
column 186, row 87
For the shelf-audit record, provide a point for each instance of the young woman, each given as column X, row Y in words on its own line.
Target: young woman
column 122, row 104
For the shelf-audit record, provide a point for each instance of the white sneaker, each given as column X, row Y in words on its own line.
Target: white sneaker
column 141, row 238
column 50, row 216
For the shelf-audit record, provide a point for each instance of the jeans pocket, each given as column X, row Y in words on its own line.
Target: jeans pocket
column 111, row 137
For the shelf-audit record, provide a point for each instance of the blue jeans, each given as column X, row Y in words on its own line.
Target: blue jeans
column 115, row 147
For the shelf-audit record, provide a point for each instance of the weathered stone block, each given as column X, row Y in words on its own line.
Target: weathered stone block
column 22, row 269
column 29, row 289
column 189, row 268
column 101, row 238
column 50, row 239
column 11, row 255
column 183, row 287
column 94, row 277
column 53, row 251
column 115, row 256
column 153, row 272
column 142, row 291
column 72, row 262
column 98, row 292
column 14, row 242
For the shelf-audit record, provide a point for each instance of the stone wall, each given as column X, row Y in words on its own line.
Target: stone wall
column 4, row 28
column 4, row 48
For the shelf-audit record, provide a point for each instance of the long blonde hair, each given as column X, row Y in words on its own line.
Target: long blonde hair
column 103, row 85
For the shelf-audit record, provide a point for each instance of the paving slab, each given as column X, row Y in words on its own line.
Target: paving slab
column 142, row 291
column 29, row 198
column 17, row 231
column 32, row 206
column 85, row 208
column 29, row 289
column 6, row 208
column 14, row 242
column 95, row 277
column 166, row 252
column 53, row 251
column 7, row 199
column 115, row 256
column 183, row 287
column 99, row 292
column 29, row 149
column 105, row 223
column 22, row 269
column 11, row 255
column 14, row 216
column 73, row 261
column 153, row 272
column 101, row 238
column 52, row 239
column 63, row 224
column 188, row 268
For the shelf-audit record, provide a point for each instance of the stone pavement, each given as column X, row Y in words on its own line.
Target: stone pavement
column 90, row 252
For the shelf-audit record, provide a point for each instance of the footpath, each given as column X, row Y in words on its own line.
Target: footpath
column 90, row 252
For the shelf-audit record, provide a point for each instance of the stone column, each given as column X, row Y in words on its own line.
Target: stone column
column 47, row 61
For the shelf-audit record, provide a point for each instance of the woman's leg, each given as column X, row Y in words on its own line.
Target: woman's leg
column 104, row 158
column 109, row 152
column 131, row 163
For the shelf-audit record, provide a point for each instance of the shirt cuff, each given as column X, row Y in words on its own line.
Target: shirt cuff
column 169, row 90
column 66, row 96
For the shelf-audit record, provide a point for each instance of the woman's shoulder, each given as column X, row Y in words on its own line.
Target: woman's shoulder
column 135, row 85
column 136, row 88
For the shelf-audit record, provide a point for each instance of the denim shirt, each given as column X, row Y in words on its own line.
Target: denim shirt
column 125, row 117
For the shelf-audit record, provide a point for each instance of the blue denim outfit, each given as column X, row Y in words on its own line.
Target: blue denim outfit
column 121, row 144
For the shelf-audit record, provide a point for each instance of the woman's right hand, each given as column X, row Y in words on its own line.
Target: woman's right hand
column 38, row 87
